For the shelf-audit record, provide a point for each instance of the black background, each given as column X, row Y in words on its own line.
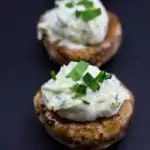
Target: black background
column 25, row 66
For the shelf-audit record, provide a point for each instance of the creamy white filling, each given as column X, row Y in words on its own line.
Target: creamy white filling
column 61, row 24
column 105, row 102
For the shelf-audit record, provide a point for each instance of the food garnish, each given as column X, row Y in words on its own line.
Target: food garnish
column 103, row 76
column 85, row 102
column 53, row 75
column 79, row 89
column 91, row 82
column 78, row 71
column 89, row 13
column 69, row 5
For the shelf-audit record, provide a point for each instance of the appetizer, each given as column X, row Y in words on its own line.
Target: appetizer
column 84, row 107
column 80, row 30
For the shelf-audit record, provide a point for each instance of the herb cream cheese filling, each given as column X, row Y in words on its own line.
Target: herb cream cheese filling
column 82, row 92
column 75, row 23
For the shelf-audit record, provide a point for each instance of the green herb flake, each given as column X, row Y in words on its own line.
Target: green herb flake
column 108, row 76
column 74, row 88
column 78, row 71
column 86, row 102
column 69, row 5
column 86, row 3
column 78, row 13
column 79, row 89
column 100, row 77
column 53, row 75
column 103, row 76
column 91, row 82
column 90, row 14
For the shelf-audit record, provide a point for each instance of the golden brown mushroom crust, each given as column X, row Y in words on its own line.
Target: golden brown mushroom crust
column 97, row 134
column 94, row 54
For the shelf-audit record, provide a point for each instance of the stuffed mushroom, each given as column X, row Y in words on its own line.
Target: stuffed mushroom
column 80, row 30
column 84, row 107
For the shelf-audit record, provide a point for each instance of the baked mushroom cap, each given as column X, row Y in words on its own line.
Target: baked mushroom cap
column 94, row 54
column 100, row 133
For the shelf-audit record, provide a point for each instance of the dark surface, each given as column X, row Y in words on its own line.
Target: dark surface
column 25, row 66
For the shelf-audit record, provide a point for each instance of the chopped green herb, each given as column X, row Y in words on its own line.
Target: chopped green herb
column 89, row 14
column 74, row 88
column 53, row 75
column 91, row 82
column 85, row 102
column 103, row 76
column 69, row 5
column 78, row 71
column 100, row 77
column 108, row 76
column 86, row 3
column 79, row 89
column 78, row 13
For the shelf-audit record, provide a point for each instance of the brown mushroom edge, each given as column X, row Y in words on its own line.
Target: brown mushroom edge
column 95, row 54
column 98, row 134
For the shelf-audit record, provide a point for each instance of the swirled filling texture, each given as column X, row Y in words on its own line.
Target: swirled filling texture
column 103, row 102
column 75, row 24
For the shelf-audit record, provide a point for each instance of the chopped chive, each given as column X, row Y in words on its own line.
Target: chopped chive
column 78, row 71
column 90, row 14
column 86, row 3
column 85, row 102
column 78, row 13
column 53, row 75
column 103, row 76
column 108, row 76
column 90, row 82
column 74, row 88
column 79, row 89
column 100, row 77
column 69, row 5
